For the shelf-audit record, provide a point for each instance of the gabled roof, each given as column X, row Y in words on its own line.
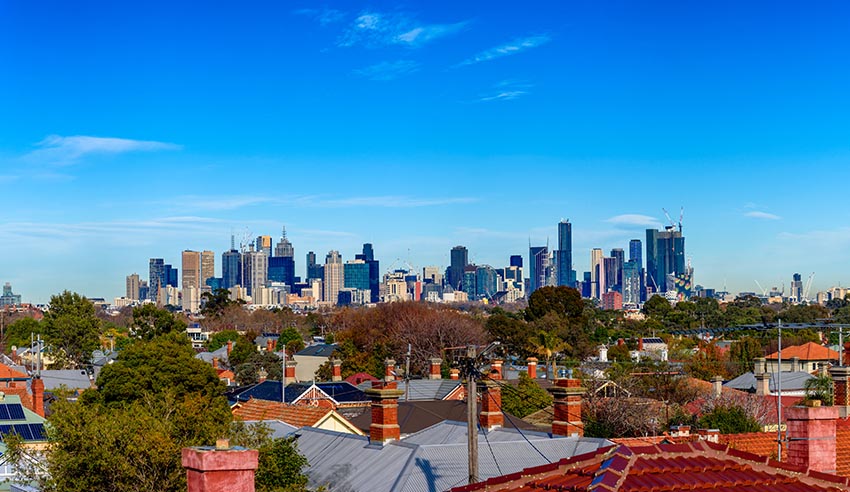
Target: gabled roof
column 14, row 417
column 318, row 350
column 808, row 351
column 295, row 415
column 664, row 468
column 791, row 381
column 423, row 389
column 7, row 373
column 74, row 379
column 340, row 392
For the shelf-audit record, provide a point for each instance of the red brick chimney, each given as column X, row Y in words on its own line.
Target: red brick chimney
column 38, row 396
column 229, row 347
column 491, row 405
column 384, row 396
column 532, row 367
column 220, row 469
column 567, row 419
column 811, row 437
column 289, row 376
column 336, row 370
column 388, row 374
column 436, row 365
column 841, row 389
column 270, row 345
column 215, row 362
column 496, row 368
column 262, row 374
column 454, row 374
column 640, row 344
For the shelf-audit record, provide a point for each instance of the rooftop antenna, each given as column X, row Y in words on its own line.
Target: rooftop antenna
column 283, row 234
column 232, row 241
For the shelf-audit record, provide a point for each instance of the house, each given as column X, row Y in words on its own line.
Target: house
column 75, row 381
column 294, row 415
column 310, row 359
column 333, row 395
column 804, row 358
column 30, row 390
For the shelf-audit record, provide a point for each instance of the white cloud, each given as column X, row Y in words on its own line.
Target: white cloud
column 512, row 48
column 504, row 96
column 372, row 29
column 59, row 150
column 755, row 214
column 634, row 220
column 388, row 70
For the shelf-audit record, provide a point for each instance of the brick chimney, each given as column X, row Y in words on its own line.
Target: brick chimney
column 38, row 396
column 289, row 376
column 229, row 347
column 215, row 362
column 220, row 468
column 567, row 419
column 336, row 370
column 811, row 437
column 270, row 345
column 532, row 367
column 717, row 386
column 390, row 369
column 435, row 369
column 841, row 389
column 454, row 374
column 384, row 396
column 763, row 384
column 758, row 365
column 496, row 368
column 491, row 405
column 640, row 344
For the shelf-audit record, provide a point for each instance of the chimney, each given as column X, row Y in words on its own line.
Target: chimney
column 496, row 369
column 717, row 386
column 811, row 437
column 336, row 370
column 270, row 345
column 640, row 344
column 436, row 365
column 795, row 364
column 620, row 341
column 758, row 365
column 38, row 396
column 220, row 469
column 229, row 347
column 491, row 405
column 289, row 376
column 567, row 419
column 262, row 374
column 389, row 374
column 384, row 427
column 763, row 384
column 823, row 369
column 215, row 362
column 454, row 374
column 710, row 435
column 845, row 354
column 603, row 353
column 841, row 389
column 532, row 367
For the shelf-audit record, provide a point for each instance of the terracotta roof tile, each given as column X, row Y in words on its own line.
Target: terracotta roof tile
column 7, row 372
column 808, row 351
column 295, row 415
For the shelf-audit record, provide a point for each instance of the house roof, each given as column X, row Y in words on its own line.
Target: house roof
column 295, row 415
column 413, row 416
column 70, row 378
column 423, row 389
column 791, row 381
column 808, row 351
column 317, row 350
column 360, row 377
column 14, row 417
column 665, row 467
column 7, row 372
column 220, row 354
column 341, row 392
column 433, row 459
column 278, row 428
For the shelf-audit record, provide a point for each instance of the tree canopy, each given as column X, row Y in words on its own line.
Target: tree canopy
column 149, row 321
column 71, row 330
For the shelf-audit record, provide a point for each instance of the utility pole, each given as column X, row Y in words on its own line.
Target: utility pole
column 779, row 398
column 407, row 376
column 472, row 414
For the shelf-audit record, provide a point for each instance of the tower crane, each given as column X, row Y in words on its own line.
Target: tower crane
column 670, row 219
column 808, row 286
column 762, row 289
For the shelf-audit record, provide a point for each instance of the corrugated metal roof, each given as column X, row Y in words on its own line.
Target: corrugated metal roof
column 318, row 350
column 423, row 389
column 791, row 381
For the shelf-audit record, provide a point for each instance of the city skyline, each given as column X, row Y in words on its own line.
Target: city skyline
column 132, row 133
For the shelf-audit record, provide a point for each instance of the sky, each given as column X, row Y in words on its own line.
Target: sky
column 132, row 130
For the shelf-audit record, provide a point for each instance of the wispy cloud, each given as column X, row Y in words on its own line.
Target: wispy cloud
column 388, row 70
column 59, row 150
column 373, row 29
column 506, row 90
column 323, row 16
column 194, row 202
column 69, row 231
column 504, row 96
column 755, row 214
column 634, row 220
column 512, row 48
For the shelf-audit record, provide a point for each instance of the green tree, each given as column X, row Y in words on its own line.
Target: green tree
column 290, row 334
column 729, row 419
column 526, row 398
column 280, row 467
column 547, row 344
column 248, row 371
column 819, row 388
column 71, row 330
column 19, row 333
column 511, row 332
column 149, row 321
column 564, row 301
column 706, row 363
column 656, row 307
column 741, row 355
column 215, row 303
column 243, row 349
column 220, row 339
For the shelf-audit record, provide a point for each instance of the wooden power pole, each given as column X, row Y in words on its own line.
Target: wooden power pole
column 472, row 414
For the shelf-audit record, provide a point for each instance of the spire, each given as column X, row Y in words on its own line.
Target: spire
column 283, row 234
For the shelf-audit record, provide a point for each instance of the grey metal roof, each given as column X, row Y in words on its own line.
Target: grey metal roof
column 317, row 350
column 70, row 378
column 423, row 389
column 433, row 459
column 278, row 427
column 220, row 354
column 791, row 381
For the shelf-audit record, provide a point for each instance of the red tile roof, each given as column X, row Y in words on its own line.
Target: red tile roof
column 360, row 377
column 295, row 415
column 7, row 372
column 664, row 468
column 809, row 351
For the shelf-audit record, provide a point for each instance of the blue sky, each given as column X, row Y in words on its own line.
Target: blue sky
column 130, row 131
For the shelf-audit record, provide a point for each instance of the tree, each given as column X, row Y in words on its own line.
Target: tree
column 243, row 349
column 215, row 303
column 280, row 467
column 729, row 419
column 656, row 307
column 819, row 388
column 248, row 371
column 564, row 301
column 706, row 363
column 71, row 330
column 741, row 355
column 19, row 333
column 219, row 339
column 547, row 344
column 526, row 398
column 511, row 332
column 149, row 322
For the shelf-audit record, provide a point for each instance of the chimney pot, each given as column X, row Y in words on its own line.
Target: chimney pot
column 435, row 368
column 390, row 370
column 763, row 384
column 811, row 437
column 567, row 415
column 532, row 367
column 384, row 396
column 336, row 370
column 220, row 469
column 454, row 374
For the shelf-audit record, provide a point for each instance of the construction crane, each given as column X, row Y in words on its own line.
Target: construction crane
column 808, row 286
column 681, row 216
column 670, row 219
column 762, row 289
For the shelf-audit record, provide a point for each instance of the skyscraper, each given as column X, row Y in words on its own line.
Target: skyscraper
column 486, row 282
column 619, row 256
column 635, row 252
column 133, row 284
column 459, row 261
column 610, row 277
column 597, row 273
column 157, row 278
column 356, row 275
column 264, row 244
column 368, row 256
column 334, row 276
column 207, row 267
column 797, row 287
column 631, row 283
column 564, row 255
column 231, row 269
column 191, row 269
column 255, row 270
column 171, row 275
column 516, row 261
column 282, row 264
column 314, row 270
column 665, row 256
column 538, row 267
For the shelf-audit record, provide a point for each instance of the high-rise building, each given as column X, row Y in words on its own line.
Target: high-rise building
column 334, row 276
column 797, row 287
column 284, row 247
column 171, row 275
column 282, row 264
column 564, row 255
column 255, row 270
column 231, row 269
column 516, row 261
column 207, row 268
column 368, row 256
column 263, row 244
column 486, row 282
column 587, row 286
column 538, row 267
column 133, row 284
column 635, row 252
column 597, row 273
column 432, row 275
column 356, row 275
column 468, row 282
column 314, row 270
column 665, row 256
column 610, row 277
column 631, row 283
column 459, row 261
column 619, row 255
column 191, row 269
column 157, row 278
column 9, row 298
